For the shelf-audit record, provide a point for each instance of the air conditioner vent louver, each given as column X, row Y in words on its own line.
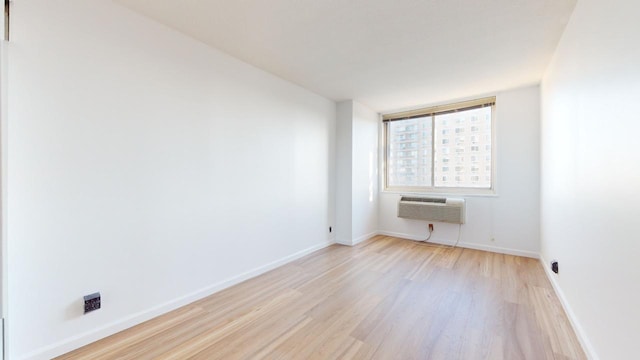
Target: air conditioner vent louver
column 424, row 199
column 434, row 209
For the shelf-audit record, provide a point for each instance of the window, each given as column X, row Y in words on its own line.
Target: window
column 419, row 130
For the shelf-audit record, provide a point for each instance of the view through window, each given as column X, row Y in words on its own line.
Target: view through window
column 442, row 147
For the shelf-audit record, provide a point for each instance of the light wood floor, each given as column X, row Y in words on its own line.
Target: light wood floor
column 386, row 298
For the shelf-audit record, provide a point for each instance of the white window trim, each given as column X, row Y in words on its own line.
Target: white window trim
column 441, row 191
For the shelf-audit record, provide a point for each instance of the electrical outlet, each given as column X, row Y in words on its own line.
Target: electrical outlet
column 91, row 302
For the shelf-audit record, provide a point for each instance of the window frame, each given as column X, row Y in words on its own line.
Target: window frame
column 386, row 118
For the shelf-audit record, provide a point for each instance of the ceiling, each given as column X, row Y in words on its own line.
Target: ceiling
column 386, row 54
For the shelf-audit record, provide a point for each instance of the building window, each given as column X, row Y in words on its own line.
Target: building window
column 420, row 129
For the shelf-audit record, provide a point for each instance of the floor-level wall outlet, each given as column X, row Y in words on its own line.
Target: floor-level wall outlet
column 91, row 302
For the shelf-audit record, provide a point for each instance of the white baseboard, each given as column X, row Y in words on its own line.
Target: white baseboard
column 357, row 240
column 83, row 339
column 500, row 250
column 363, row 238
column 2, row 351
column 462, row 244
column 577, row 328
column 403, row 236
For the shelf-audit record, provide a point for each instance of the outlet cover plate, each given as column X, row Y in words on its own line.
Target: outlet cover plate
column 92, row 302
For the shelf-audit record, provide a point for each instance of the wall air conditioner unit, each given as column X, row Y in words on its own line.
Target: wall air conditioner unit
column 449, row 210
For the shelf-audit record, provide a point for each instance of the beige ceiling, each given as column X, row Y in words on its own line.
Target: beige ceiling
column 387, row 54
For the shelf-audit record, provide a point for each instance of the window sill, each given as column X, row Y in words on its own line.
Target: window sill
column 489, row 193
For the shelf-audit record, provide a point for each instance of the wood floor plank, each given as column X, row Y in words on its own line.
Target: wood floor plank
column 385, row 298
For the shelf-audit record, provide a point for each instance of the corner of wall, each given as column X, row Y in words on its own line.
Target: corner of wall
column 573, row 319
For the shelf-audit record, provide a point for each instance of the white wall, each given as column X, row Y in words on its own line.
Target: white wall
column 3, row 179
column 344, row 171
column 365, row 173
column 357, row 180
column 149, row 167
column 590, row 199
column 509, row 221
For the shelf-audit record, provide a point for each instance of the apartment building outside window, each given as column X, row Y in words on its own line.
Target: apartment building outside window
column 437, row 133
